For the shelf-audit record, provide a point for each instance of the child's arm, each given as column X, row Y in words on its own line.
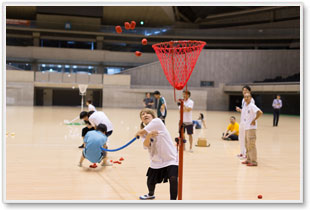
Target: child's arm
column 141, row 132
column 187, row 109
column 238, row 109
column 258, row 114
column 204, row 123
column 147, row 140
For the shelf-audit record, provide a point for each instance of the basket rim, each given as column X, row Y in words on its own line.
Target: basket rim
column 158, row 45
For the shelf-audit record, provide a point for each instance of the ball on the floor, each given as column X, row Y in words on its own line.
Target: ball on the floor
column 259, row 196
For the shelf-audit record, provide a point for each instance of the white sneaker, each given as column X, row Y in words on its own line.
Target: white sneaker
column 107, row 164
column 147, row 197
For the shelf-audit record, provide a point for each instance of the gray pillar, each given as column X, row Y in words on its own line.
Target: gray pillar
column 99, row 41
column 35, row 66
column 36, row 39
column 100, row 69
column 47, row 97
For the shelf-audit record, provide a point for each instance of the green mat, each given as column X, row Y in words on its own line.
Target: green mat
column 73, row 123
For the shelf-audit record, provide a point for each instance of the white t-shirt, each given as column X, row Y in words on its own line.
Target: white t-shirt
column 249, row 112
column 91, row 108
column 242, row 105
column 163, row 112
column 243, row 102
column 99, row 117
column 187, row 116
column 162, row 151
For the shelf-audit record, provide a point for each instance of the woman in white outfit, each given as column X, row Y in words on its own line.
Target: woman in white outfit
column 246, row 89
column 163, row 154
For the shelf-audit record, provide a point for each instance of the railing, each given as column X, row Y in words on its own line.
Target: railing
column 262, row 83
column 167, row 31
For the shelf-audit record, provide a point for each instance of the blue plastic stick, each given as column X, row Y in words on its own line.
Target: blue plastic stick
column 122, row 147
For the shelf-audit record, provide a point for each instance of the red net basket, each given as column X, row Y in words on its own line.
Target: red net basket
column 178, row 59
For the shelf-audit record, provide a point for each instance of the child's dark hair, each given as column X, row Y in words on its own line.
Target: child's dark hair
column 89, row 101
column 102, row 127
column 187, row 92
column 83, row 114
column 233, row 117
column 247, row 87
column 201, row 116
column 156, row 92
column 90, row 113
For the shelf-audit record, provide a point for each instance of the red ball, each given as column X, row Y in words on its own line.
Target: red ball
column 260, row 196
column 132, row 24
column 118, row 29
column 144, row 41
column 93, row 166
column 127, row 25
column 121, row 159
column 178, row 87
column 138, row 53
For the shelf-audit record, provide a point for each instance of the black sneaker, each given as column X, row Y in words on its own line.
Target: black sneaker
column 82, row 146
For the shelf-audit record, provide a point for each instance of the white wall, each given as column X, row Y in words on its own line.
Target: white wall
column 125, row 97
column 19, row 87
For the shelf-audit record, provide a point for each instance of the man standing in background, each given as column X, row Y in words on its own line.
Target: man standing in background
column 187, row 117
column 161, row 106
column 245, row 89
column 277, row 104
column 148, row 101
column 250, row 114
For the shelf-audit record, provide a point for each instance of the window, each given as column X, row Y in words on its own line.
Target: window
column 20, row 66
column 113, row 70
column 206, row 83
column 67, row 68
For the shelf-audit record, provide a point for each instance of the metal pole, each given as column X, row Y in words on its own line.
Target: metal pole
column 82, row 104
column 181, row 146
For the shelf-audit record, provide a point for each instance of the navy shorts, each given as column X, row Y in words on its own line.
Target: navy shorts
column 189, row 129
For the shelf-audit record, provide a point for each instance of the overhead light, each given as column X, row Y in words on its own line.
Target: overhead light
column 74, row 67
column 59, row 66
column 43, row 65
column 141, row 22
column 67, row 66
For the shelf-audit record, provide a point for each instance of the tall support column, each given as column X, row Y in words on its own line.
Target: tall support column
column 36, row 39
column 99, row 41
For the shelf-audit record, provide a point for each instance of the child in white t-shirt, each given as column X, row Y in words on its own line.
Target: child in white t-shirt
column 163, row 154
column 90, row 106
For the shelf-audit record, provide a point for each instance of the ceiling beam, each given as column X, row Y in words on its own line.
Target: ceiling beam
column 245, row 12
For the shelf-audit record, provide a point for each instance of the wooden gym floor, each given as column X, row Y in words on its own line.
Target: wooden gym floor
column 42, row 158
